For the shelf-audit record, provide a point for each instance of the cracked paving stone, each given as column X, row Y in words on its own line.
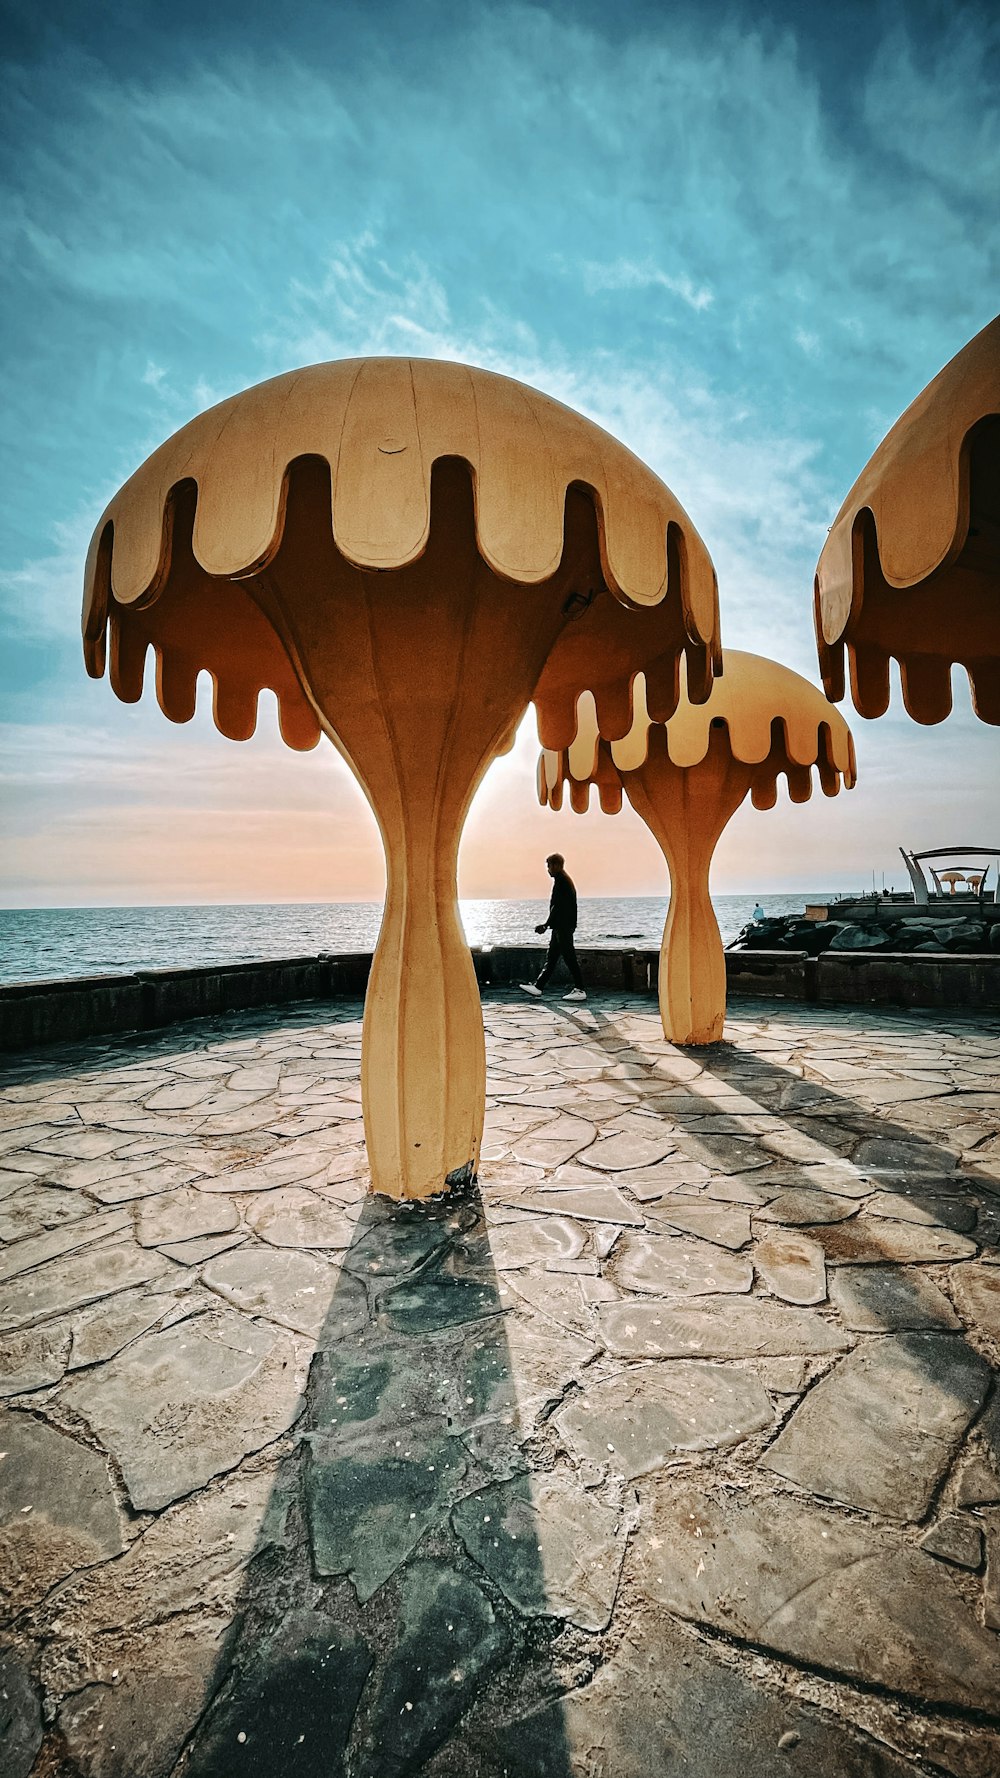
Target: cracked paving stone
column 977, row 1293
column 448, row 1640
column 710, row 1222
column 719, row 1327
column 298, row 1218
column 79, row 1278
column 290, row 1705
column 35, row 1208
column 880, row 1299
column 957, row 1538
column 669, row 1265
column 797, row 1208
column 949, row 1213
column 136, row 1648
column 837, row 1179
column 830, row 1592
column 889, row 1154
column 879, row 1431
column 20, row 1716
column 634, row 1423
column 551, row 1547
column 25, row 1256
column 625, row 1150
column 876, row 1241
column 296, row 1290
column 270, row 1174
column 57, row 1509
column 519, row 1244
column 33, row 1359
column 665, row 1707
column 725, row 1154
column 195, row 1253
column 185, row 1404
column 554, row 1143
column 792, row 1266
column 101, row 1332
column 588, row 1203
column 182, row 1216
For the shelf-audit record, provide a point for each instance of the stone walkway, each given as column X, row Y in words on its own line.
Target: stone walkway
column 668, row 1449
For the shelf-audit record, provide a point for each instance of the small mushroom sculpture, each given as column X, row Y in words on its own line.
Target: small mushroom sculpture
column 396, row 548
column 686, row 777
column 911, row 568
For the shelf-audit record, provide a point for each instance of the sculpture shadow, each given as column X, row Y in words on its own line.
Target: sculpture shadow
column 366, row 1631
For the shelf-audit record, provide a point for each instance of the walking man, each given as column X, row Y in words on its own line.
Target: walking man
column 561, row 924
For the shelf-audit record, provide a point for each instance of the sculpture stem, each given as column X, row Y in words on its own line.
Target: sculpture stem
column 686, row 809
column 423, row 1056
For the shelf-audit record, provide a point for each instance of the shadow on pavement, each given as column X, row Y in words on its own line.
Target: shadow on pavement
column 366, row 1631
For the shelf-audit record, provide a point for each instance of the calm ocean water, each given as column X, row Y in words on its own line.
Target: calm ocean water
column 42, row 944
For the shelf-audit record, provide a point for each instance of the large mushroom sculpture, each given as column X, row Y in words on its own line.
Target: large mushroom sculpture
column 397, row 548
column 686, row 777
column 911, row 568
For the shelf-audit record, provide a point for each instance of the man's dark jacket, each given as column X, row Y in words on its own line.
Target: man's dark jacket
column 562, row 904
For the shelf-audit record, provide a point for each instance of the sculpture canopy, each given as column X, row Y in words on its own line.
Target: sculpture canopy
column 911, row 568
column 764, row 715
column 405, row 552
column 358, row 440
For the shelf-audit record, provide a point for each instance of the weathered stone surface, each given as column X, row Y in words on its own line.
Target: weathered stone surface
column 188, row 1403
column 20, row 1717
column 448, row 1639
column 792, row 1266
column 726, row 1154
column 624, row 1150
column 668, row 1265
column 665, row 1705
column 182, row 1215
column 873, row 1241
column 554, row 1143
column 978, row 1484
column 196, row 1252
column 551, row 1547
column 892, row 1154
column 294, row 1289
column 721, row 1327
column 298, row 1218
column 828, row 1591
column 57, row 1509
column 532, row 1243
column 101, row 1332
column 879, row 1299
column 33, row 1208
column 634, row 1422
column 949, row 1213
column 725, row 1227
column 797, row 1208
column 596, row 1203
column 25, row 1256
column 879, row 1431
column 295, row 1688
column 136, row 1647
column 77, row 1278
column 31, row 1360
column 977, row 1294
column 956, row 1538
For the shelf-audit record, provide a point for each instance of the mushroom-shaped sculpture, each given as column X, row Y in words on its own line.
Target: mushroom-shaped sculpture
column 951, row 877
column 686, row 778
column 911, row 568
column 395, row 547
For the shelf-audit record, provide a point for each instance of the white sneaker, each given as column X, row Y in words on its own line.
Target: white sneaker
column 529, row 988
column 576, row 994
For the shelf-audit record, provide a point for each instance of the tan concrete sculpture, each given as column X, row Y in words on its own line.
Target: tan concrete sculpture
column 911, row 568
column 686, row 778
column 396, row 548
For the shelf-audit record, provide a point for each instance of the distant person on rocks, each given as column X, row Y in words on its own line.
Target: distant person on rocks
column 759, row 913
column 561, row 923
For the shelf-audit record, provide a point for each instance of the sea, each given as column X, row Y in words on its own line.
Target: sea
column 50, row 944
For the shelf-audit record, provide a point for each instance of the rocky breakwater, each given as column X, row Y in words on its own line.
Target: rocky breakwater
column 877, row 926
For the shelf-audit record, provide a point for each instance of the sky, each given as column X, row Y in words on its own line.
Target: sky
column 741, row 237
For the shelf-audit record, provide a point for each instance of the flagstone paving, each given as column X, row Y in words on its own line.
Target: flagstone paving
column 671, row 1446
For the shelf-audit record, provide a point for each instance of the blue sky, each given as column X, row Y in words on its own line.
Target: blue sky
column 741, row 237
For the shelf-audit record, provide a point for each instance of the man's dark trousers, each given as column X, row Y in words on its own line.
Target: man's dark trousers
column 560, row 945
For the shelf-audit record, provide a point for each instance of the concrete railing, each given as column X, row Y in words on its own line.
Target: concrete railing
column 36, row 1013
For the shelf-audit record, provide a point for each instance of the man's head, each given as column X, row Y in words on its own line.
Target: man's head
column 554, row 863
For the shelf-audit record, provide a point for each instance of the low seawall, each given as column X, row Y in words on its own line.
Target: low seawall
column 36, row 1013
